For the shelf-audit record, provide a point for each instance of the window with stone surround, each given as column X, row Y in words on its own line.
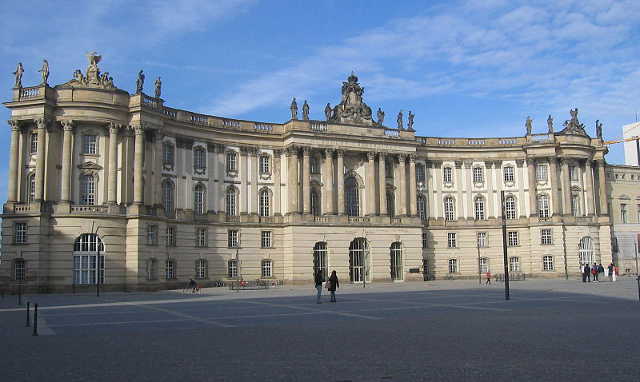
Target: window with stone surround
column 422, row 207
column 546, row 236
column 168, row 197
column 19, row 270
column 199, row 198
column 512, row 239
column 447, row 175
column 264, row 203
column 87, row 190
column 484, row 264
column 231, row 162
column 31, row 187
column 510, row 207
column 152, row 234
column 264, row 164
column 541, row 172
column 170, row 269
column 481, row 239
column 168, row 154
column 451, row 240
column 33, row 144
column 231, row 197
column 199, row 160
column 20, row 233
column 266, row 268
column 449, row 208
column 89, row 144
column 233, row 238
column 202, row 269
column 547, row 263
column 265, row 239
column 479, row 208
column 232, row 268
column 453, row 265
column 478, row 175
column 543, row 206
column 514, row 264
column 508, row 174
column 420, row 174
column 171, row 236
column 314, row 165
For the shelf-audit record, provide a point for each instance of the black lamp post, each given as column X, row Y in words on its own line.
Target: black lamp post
column 504, row 248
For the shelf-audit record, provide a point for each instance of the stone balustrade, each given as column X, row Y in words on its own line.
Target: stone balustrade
column 318, row 126
column 30, row 92
column 263, row 127
column 80, row 209
column 391, row 133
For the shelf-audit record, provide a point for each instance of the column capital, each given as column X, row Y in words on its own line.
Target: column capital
column 402, row 157
column 114, row 127
column 328, row 152
column 458, row 164
column 371, row 155
column 306, row 150
column 467, row 164
column 220, row 148
column 42, row 123
column 14, row 124
column 340, row 153
column 412, row 158
column 277, row 152
column 291, row 151
column 138, row 129
column 67, row 124
column 519, row 162
column 381, row 155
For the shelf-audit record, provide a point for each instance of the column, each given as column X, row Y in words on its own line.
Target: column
column 402, row 186
column 137, row 171
column 277, row 182
column 369, row 184
column 327, row 182
column 306, row 191
column 292, row 177
column 340, row 181
column 413, row 192
column 602, row 187
column 588, row 187
column 531, row 168
column 244, row 180
column 468, row 180
column 489, row 166
column 13, row 161
column 254, row 180
column 382, row 179
column 113, row 162
column 220, row 175
column 558, row 205
column 42, row 125
column 564, row 182
column 67, row 148
column 437, row 183
column 460, row 206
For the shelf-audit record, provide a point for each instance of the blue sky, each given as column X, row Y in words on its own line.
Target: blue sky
column 465, row 68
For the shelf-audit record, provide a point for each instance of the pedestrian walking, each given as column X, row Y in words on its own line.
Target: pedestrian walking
column 333, row 284
column 192, row 285
column 600, row 270
column 610, row 269
column 594, row 272
column 319, row 279
column 615, row 272
column 586, row 271
column 488, row 279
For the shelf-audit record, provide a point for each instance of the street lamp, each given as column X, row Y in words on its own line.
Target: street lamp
column 504, row 248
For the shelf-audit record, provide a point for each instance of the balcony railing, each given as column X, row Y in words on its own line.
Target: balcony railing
column 31, row 92
column 80, row 209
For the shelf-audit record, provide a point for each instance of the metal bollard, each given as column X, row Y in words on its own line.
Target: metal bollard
column 35, row 320
column 28, row 324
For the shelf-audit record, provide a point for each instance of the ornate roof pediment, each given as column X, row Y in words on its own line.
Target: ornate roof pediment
column 351, row 109
column 93, row 79
column 573, row 126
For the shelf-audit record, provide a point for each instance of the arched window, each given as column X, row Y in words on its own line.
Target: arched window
column 199, row 159
column 391, row 203
column 510, row 210
column 264, row 204
column 479, row 208
column 202, row 269
column 168, row 197
column 543, row 206
column 88, row 260
column 585, row 251
column 231, row 207
column 31, row 184
column 320, row 258
column 449, row 209
column 87, row 190
column 168, row 154
column 358, row 258
column 199, row 197
column 352, row 200
column 396, row 261
column 422, row 207
column 315, row 202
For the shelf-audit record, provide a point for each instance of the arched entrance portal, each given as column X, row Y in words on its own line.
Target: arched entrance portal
column 396, row 261
column 85, row 259
column 320, row 258
column 358, row 260
column 585, row 251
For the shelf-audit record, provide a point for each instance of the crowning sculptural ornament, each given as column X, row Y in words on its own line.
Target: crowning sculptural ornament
column 294, row 109
column 351, row 108
column 573, row 126
column 305, row 111
column 410, row 121
column 93, row 79
column 140, row 82
column 550, row 124
column 598, row 129
column 158, row 84
column 45, row 72
column 380, row 115
column 529, row 125
column 18, row 74
column 328, row 111
column 399, row 121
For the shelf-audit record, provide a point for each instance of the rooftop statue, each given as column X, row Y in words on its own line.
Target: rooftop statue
column 351, row 108
column 598, row 129
column 294, row 109
column 380, row 117
column 399, row 121
column 140, row 82
column 529, row 125
column 550, row 124
column 410, row 121
column 328, row 111
column 305, row 111
column 45, row 72
column 18, row 74
column 158, row 84
column 573, row 126
column 93, row 79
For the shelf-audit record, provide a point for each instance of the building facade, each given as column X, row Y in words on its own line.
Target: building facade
column 624, row 197
column 117, row 187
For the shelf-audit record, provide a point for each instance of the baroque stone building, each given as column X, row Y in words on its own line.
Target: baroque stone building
column 624, row 198
column 166, row 195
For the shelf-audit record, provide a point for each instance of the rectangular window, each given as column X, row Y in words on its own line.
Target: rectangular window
column 512, row 237
column 264, row 165
column 267, row 268
column 20, row 233
column 547, row 263
column 34, row 143
column 447, row 175
column 171, row 236
column 514, row 264
column 232, row 268
column 89, row 144
column 152, row 234
column 315, row 165
column 451, row 240
column 575, row 205
column 201, row 237
column 541, row 172
column 388, row 168
column 425, row 240
column 573, row 173
column 170, row 270
column 484, row 264
column 478, row 175
column 546, row 237
column 508, row 174
column 638, row 210
column 420, row 174
column 232, row 238
column 265, row 239
column 19, row 270
column 231, row 161
column 623, row 213
column 482, row 239
column 453, row 266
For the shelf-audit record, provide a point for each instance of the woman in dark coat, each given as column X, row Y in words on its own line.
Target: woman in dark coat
column 334, row 283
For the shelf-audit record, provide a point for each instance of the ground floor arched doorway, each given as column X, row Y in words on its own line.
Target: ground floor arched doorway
column 88, row 260
column 358, row 260
column 395, row 253
column 585, row 251
column 320, row 258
